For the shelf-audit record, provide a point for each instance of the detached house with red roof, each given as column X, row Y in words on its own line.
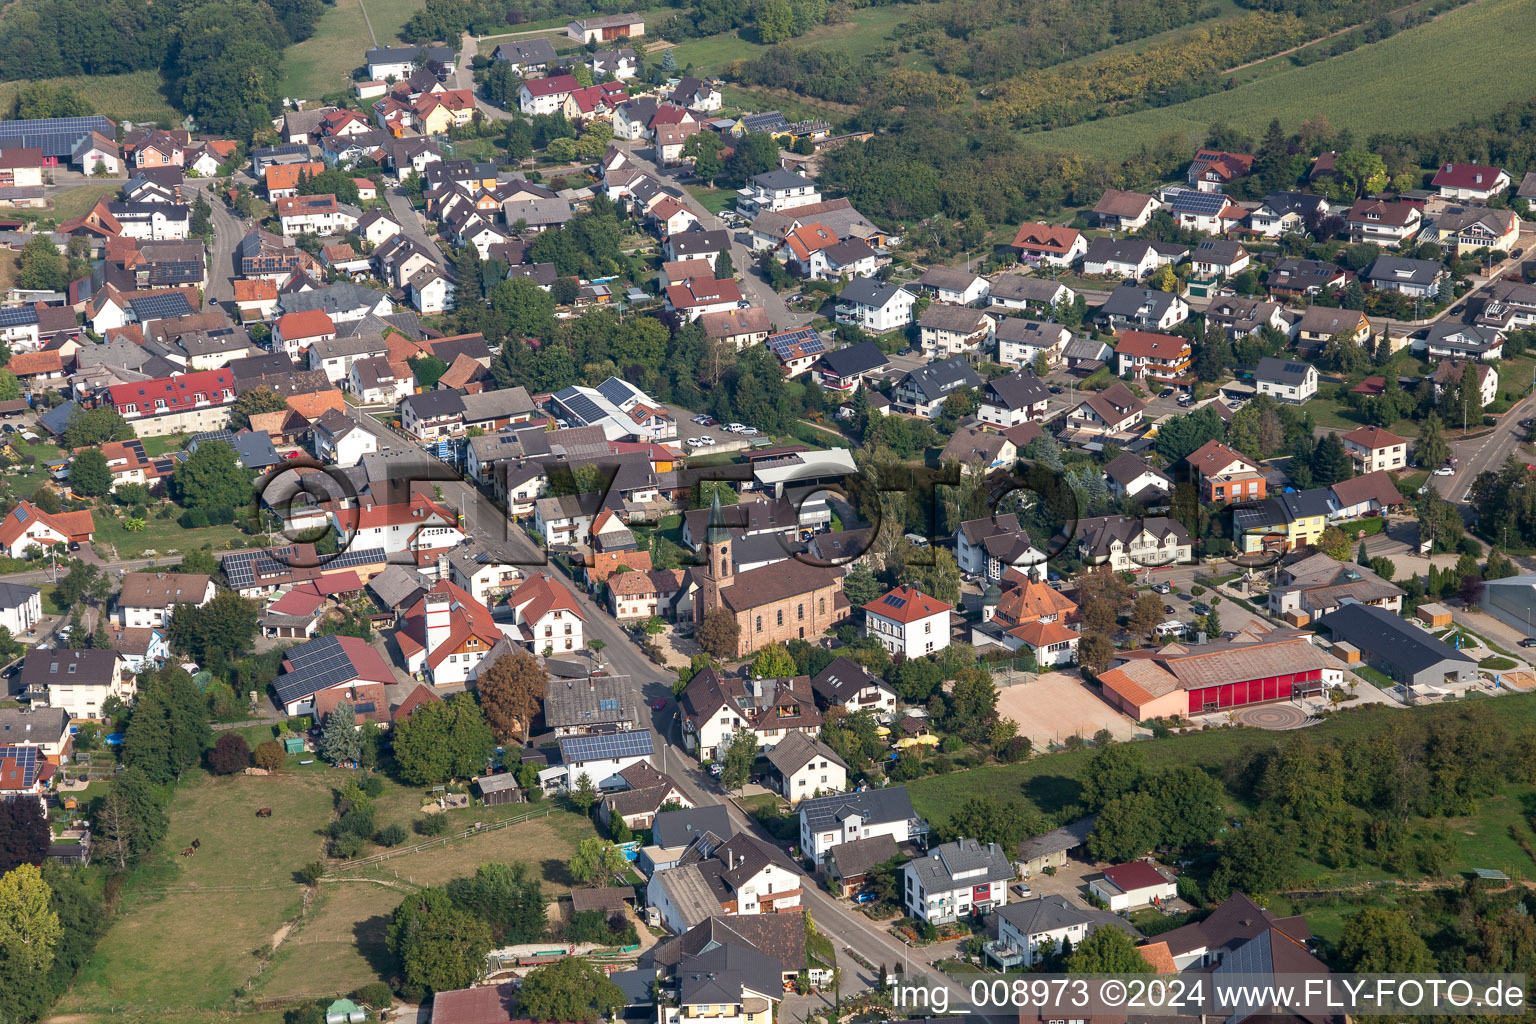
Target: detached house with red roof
column 1213, row 168
column 416, row 526
column 1048, row 245
column 1470, row 181
column 546, row 95
column 697, row 296
column 295, row 333
column 547, row 616
column 908, row 622
column 186, row 403
column 1128, row 886
column 446, row 635
column 27, row 525
column 1226, row 474
column 1160, row 358
column 1373, row 449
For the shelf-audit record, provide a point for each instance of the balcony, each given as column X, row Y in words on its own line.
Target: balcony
column 1003, row 954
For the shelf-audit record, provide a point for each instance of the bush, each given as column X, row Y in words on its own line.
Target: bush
column 269, row 755
column 194, row 519
column 311, row 872
column 390, row 835
column 357, row 821
column 373, row 787
column 431, row 825
column 230, row 754
column 375, row 995
column 951, row 743
column 347, row 846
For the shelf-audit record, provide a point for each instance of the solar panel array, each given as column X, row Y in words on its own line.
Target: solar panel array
column 583, row 407
column 790, row 344
column 26, row 760
column 246, row 568
column 616, row 391
column 606, row 745
column 55, row 136
column 17, row 316
column 319, row 664
column 1200, row 202
column 160, row 307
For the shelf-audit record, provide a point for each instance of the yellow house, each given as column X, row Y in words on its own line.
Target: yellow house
column 1476, row 228
column 437, row 121
column 1281, row 523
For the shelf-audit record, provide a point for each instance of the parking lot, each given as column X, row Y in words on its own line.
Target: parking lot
column 723, row 439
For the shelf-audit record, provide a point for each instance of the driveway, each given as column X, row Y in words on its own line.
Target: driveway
column 780, row 316
column 464, row 78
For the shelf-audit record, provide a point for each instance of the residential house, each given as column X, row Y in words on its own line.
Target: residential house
column 641, row 594
column 850, row 686
column 1317, row 585
column 27, row 526
column 698, row 296
column 1292, row 276
column 1364, row 495
column 1132, row 886
column 446, row 635
column 1239, row 317
column 1208, row 212
column 547, row 616
column 1384, row 223
column 433, row 414
column 1115, row 410
column 1213, row 168
column 341, row 441
column 874, row 305
column 1129, row 476
column 295, row 333
column 1448, row 373
column 1320, row 324
column 149, row 598
column 80, row 682
column 908, row 622
column 319, row 215
column 741, row 328
column 1159, row 359
column 1047, row 245
column 1125, row 543
column 1027, row 292
column 1287, row 213
column 777, row 190
column 843, row 370
column 1022, row 341
column 375, row 382
column 1449, row 340
column 954, row 286
column 1285, row 380
column 21, row 608
column 830, row 821
column 1124, row 211
column 1013, row 399
column 714, row 706
column 1144, row 309
column 1282, row 522
column 922, row 391
column 1225, row 474
column 955, row 880
column 1131, row 258
column 947, row 330
column 979, row 451
column 528, row 57
column 805, row 767
column 181, row 404
column 1220, row 259
column 1470, row 181
column 1466, row 231
column 593, row 704
column 646, row 791
column 1372, row 449
column 1028, row 930
column 1413, row 278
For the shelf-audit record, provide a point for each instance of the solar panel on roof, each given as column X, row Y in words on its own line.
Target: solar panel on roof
column 1200, row 202
column 17, row 316
column 607, row 745
column 585, row 408
column 616, row 391
column 26, row 760
column 21, row 514
column 160, row 307
column 805, row 341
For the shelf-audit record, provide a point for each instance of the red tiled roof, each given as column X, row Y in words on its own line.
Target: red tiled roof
column 906, row 604
column 310, row 323
column 1473, row 176
column 72, row 525
column 179, row 393
column 1045, row 238
column 1135, row 875
column 1373, row 438
column 552, row 85
column 1150, row 345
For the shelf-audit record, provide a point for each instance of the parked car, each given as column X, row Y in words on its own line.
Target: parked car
column 1445, row 471
column 1201, row 608
column 702, row 441
column 1023, row 891
column 1529, row 641
column 864, row 897
column 658, row 704
column 748, row 431
column 736, row 428
column 1162, row 588
column 699, row 419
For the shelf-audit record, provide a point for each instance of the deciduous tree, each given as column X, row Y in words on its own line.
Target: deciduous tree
column 511, row 692
column 230, row 754
column 570, row 989
column 595, row 861
column 719, row 633
column 24, row 834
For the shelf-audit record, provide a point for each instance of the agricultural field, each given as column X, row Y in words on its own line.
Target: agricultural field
column 324, row 62
column 870, row 31
column 1364, row 90
column 160, row 960
column 135, row 96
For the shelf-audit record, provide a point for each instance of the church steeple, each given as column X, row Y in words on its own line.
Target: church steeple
column 717, row 545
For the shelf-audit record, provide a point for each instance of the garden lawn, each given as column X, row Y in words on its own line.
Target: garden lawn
column 77, row 202
column 1364, row 90
column 162, row 537
column 187, row 931
column 324, row 62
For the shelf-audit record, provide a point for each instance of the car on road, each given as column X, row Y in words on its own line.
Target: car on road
column 658, row 704
column 716, row 770
column 1056, row 389
column 1524, row 424
column 1445, row 471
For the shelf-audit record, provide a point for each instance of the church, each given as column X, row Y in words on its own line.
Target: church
column 772, row 604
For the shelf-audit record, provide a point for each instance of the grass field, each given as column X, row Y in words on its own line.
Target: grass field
column 190, row 937
column 869, row 31
column 131, row 97
column 1053, row 782
column 1365, row 90
column 77, row 201
column 323, row 63
column 162, row 536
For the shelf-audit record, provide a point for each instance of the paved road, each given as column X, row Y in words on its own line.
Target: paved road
column 464, row 78
column 752, row 284
column 228, row 229
column 413, row 224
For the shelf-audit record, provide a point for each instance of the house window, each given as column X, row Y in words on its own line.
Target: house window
column 759, row 623
column 781, row 616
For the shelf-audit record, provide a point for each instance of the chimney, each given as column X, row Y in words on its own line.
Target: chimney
column 439, row 620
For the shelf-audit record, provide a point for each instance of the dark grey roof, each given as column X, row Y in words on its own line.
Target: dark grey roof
column 13, row 595
column 1024, row 288
column 44, row 725
column 1292, row 202
column 1133, row 300
column 1400, row 270
column 1391, row 637
column 869, row 291
column 937, row 379
column 1219, row 250
column 964, row 862
column 1282, row 371
column 942, row 316
column 1467, row 337
column 1018, row 390
column 1052, row 913
column 860, row 358
column 796, row 750
column 675, row 829
column 698, row 242
column 433, row 404
column 341, row 297
column 1117, row 250
column 719, row 975
column 1125, row 467
column 527, row 51
column 874, row 805
column 781, row 179
column 842, row 679
column 593, row 702
column 850, row 860
column 398, row 54
column 78, row 668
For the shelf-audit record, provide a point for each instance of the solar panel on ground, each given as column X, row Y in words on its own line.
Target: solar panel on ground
column 606, row 745
column 160, row 307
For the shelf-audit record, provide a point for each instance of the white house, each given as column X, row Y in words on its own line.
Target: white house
column 1027, row 927
column 1017, row 398
column 398, row 527
column 908, row 622
column 601, row 757
column 829, row 821
column 956, row 880
column 547, row 616
column 1470, row 181
column 955, row 286
column 1373, row 449
column 20, row 608
column 1285, row 380
column 446, row 634
column 1133, row 885
column 149, row 598
column 807, row 768
column 341, row 441
column 80, row 682
column 874, row 305
column 315, row 215
column 1020, row 341
column 777, row 190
